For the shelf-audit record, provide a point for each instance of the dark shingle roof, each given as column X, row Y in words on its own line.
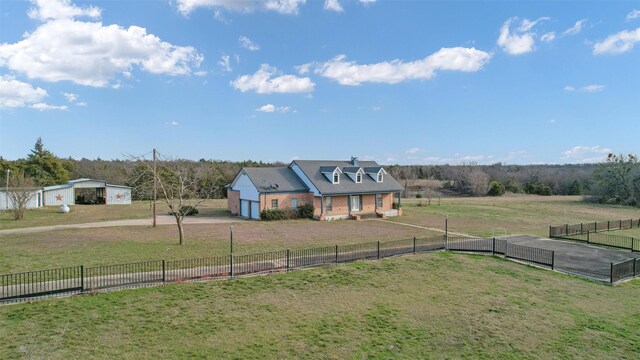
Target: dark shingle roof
column 372, row 169
column 280, row 179
column 351, row 169
column 311, row 168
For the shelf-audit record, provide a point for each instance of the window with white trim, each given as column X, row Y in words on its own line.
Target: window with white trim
column 336, row 177
column 358, row 178
column 380, row 176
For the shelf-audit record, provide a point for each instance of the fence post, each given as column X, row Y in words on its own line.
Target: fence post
column 611, row 274
column 414, row 244
column 493, row 246
column 550, row 235
column 378, row 249
column 587, row 237
column 163, row 272
column 553, row 259
column 581, row 229
column 608, row 225
column 287, row 259
column 566, row 229
column 82, row 278
column 231, row 265
column 595, row 224
column 336, row 254
column 620, row 224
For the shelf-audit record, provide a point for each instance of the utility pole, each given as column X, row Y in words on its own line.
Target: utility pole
column 155, row 187
column 6, row 190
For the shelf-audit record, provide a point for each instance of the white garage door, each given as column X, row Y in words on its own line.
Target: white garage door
column 244, row 208
column 255, row 210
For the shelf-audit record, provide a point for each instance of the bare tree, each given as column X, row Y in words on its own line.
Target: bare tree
column 478, row 182
column 179, row 186
column 20, row 192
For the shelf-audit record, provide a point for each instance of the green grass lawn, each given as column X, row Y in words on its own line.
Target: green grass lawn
column 116, row 245
column 634, row 233
column 518, row 214
column 94, row 213
column 439, row 305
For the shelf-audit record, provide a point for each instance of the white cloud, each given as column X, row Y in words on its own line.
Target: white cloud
column 551, row 121
column 47, row 107
column 367, row 2
column 548, row 37
column 284, row 6
column 82, row 103
column 413, row 150
column 617, row 43
column 634, row 14
column 89, row 53
column 593, row 88
column 15, row 93
column 70, row 97
column 264, row 82
column 269, row 108
column 376, row 108
column 60, row 9
column 521, row 40
column 333, row 5
column 576, row 28
column 586, row 154
column 224, row 63
column 393, row 72
column 246, row 43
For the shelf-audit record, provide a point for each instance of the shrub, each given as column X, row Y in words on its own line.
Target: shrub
column 272, row 214
column 418, row 196
column 290, row 213
column 496, row 189
column 305, row 211
column 395, row 204
column 187, row 210
column 512, row 186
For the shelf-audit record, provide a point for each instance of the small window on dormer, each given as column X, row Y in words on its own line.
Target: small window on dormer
column 380, row 176
column 336, row 178
column 358, row 178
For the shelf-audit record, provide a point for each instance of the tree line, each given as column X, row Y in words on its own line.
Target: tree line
column 616, row 180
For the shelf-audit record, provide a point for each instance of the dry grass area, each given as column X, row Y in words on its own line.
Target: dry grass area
column 100, row 246
column 440, row 305
column 94, row 213
column 519, row 214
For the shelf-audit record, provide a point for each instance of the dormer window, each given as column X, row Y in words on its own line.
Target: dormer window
column 380, row 177
column 358, row 178
column 336, row 177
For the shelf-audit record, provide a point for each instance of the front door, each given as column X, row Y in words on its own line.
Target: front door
column 355, row 203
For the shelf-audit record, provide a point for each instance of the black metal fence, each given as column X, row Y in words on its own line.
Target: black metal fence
column 495, row 246
column 609, row 240
column 78, row 279
column 41, row 283
column 625, row 269
column 583, row 228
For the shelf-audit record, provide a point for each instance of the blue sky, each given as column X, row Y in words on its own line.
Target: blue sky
column 408, row 82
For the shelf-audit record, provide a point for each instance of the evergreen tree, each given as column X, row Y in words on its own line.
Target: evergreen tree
column 44, row 167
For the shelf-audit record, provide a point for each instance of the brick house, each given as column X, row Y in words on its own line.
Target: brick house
column 337, row 189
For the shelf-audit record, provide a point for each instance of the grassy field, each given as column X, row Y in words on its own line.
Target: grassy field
column 518, row 214
column 103, row 246
column 95, row 213
column 477, row 216
column 634, row 233
column 439, row 305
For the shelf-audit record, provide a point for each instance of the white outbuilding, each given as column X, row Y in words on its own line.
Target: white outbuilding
column 86, row 191
column 35, row 200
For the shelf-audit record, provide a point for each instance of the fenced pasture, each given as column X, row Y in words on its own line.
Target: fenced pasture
column 594, row 233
